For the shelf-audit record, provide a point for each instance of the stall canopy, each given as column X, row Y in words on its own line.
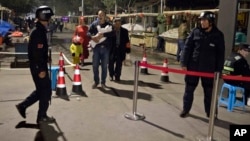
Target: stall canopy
column 5, row 27
column 192, row 12
column 135, row 14
column 5, row 9
column 2, row 10
column 133, row 27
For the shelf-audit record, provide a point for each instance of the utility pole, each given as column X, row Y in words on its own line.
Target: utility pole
column 54, row 7
column 115, row 8
column 82, row 7
column 161, row 6
column 1, row 15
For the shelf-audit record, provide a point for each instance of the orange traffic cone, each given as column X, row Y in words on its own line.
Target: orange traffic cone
column 77, row 84
column 61, row 62
column 164, row 73
column 144, row 70
column 61, row 87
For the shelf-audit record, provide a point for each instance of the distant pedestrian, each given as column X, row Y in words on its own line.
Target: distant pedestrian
column 29, row 23
column 56, row 23
column 161, row 41
column 204, row 51
column 61, row 26
column 240, row 37
column 102, row 49
column 182, row 35
column 38, row 58
column 120, row 46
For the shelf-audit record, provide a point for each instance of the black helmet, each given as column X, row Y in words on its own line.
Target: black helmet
column 210, row 16
column 44, row 13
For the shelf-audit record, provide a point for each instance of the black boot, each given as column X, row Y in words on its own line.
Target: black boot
column 184, row 114
column 21, row 109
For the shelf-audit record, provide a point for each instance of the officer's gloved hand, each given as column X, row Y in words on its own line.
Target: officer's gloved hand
column 73, row 54
column 42, row 74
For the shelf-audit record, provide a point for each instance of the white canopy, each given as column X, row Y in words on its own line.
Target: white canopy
column 133, row 27
column 4, row 9
column 192, row 12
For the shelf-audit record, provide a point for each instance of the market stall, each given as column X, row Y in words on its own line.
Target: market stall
column 139, row 32
column 171, row 35
column 146, row 38
column 170, row 38
column 4, row 25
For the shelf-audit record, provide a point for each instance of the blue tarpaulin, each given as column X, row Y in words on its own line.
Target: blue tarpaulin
column 5, row 27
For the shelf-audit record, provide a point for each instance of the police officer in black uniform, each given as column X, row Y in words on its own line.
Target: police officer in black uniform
column 236, row 64
column 38, row 58
column 203, row 52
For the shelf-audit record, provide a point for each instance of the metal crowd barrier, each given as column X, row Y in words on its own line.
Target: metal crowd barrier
column 138, row 116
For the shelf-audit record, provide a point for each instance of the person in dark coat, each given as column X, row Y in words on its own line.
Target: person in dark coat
column 237, row 65
column 204, row 51
column 120, row 46
column 39, row 59
column 182, row 35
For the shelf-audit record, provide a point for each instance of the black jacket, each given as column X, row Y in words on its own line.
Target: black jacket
column 236, row 64
column 204, row 51
column 38, row 48
column 121, row 50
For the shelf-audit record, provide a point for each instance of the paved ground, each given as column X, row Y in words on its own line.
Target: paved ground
column 101, row 115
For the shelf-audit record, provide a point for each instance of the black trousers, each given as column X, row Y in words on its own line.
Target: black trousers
column 115, row 66
column 42, row 93
column 191, row 84
column 160, row 44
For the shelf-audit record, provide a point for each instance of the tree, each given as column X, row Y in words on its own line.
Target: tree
column 63, row 7
column 20, row 6
column 110, row 4
column 122, row 5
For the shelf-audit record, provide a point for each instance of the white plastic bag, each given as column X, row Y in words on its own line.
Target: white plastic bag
column 127, row 61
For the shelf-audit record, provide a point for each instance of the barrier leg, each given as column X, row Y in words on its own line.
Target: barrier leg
column 213, row 109
column 135, row 115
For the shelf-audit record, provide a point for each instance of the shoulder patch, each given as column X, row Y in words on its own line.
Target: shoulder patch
column 39, row 45
column 212, row 45
column 237, row 57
